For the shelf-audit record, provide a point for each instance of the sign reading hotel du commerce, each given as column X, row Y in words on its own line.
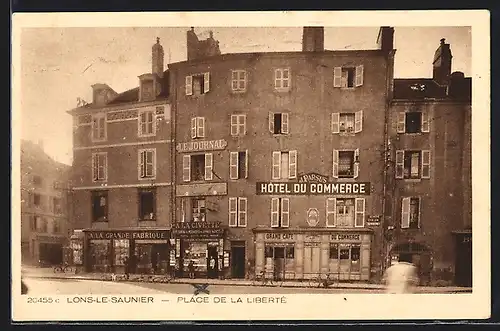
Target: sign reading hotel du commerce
column 310, row 188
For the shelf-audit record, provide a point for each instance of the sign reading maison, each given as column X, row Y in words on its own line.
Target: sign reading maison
column 294, row 188
column 204, row 145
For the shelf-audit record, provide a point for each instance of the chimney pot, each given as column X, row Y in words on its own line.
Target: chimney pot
column 442, row 41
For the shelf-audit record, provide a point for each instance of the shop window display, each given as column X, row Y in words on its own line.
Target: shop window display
column 77, row 252
column 99, row 255
column 196, row 252
column 121, row 248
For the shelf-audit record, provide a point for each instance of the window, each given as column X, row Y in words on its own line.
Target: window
column 238, row 80
column 290, row 252
column 413, row 122
column 99, row 167
column 147, row 163
column 280, row 212
column 238, row 125
column 410, row 213
column 99, row 127
column 147, row 125
column 278, row 123
column 37, row 181
column 56, row 205
column 147, row 205
column 345, row 163
column 238, row 212
column 348, row 213
column 37, row 199
column 121, row 248
column 197, row 167
column 198, row 127
column 56, row 228
column 100, row 206
column 42, row 224
column 347, row 122
column 197, row 84
column 284, row 165
column 37, row 223
column 238, row 165
column 282, row 79
column 348, row 77
column 413, row 164
column 334, row 251
column 199, row 210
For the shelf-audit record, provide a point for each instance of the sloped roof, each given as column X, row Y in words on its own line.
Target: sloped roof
column 421, row 88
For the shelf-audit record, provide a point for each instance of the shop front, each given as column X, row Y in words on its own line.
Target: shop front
column 48, row 248
column 305, row 254
column 463, row 258
column 199, row 249
column 145, row 250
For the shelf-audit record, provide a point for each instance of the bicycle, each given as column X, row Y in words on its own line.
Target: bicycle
column 63, row 268
column 262, row 280
column 322, row 281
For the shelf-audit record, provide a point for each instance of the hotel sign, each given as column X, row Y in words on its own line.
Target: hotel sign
column 197, row 230
column 203, row 145
column 294, row 188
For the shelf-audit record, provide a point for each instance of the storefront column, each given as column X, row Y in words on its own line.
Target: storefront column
column 299, row 256
column 325, row 253
column 259, row 253
column 365, row 257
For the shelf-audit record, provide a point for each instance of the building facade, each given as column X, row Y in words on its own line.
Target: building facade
column 122, row 175
column 44, row 206
column 245, row 122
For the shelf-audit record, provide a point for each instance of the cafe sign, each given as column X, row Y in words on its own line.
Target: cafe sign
column 197, row 230
column 139, row 234
column 308, row 188
column 345, row 237
column 203, row 145
column 279, row 236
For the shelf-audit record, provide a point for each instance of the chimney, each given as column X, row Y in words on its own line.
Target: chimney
column 157, row 59
column 442, row 63
column 385, row 38
column 192, row 45
column 197, row 49
column 313, row 39
column 457, row 87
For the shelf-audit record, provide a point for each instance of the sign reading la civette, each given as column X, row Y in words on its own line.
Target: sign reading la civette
column 298, row 188
column 203, row 145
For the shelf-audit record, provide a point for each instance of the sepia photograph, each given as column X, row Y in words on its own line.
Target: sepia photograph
column 194, row 162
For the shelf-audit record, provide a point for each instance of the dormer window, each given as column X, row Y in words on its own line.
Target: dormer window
column 147, row 90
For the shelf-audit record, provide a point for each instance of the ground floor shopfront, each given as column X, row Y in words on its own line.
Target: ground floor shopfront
column 111, row 250
column 45, row 249
column 303, row 254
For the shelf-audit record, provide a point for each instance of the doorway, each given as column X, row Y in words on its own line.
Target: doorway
column 238, row 259
column 312, row 257
column 212, row 262
column 463, row 260
column 279, row 263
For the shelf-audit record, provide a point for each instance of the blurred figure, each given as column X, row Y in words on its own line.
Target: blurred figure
column 24, row 288
column 401, row 277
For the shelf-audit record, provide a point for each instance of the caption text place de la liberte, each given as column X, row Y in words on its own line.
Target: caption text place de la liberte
column 180, row 299
column 313, row 188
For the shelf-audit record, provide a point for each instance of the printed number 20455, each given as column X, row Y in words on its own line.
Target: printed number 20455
column 42, row 300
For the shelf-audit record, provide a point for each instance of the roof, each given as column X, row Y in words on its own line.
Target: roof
column 422, row 88
column 31, row 151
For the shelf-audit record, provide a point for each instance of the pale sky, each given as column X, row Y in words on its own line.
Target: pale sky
column 53, row 63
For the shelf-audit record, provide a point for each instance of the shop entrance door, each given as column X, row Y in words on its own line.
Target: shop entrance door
column 344, row 262
column 212, row 262
column 238, row 260
column 463, row 262
column 279, row 263
column 312, row 255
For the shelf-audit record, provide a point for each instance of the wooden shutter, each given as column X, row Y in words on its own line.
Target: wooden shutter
column 233, row 165
column 276, row 167
column 186, row 168
column 193, row 127
column 206, row 82
column 359, row 207
column 426, row 164
column 292, row 164
column 335, row 122
column 358, row 121
column 419, row 210
column 150, row 163
column 405, row 213
column 275, row 211
column 356, row 164
column 331, row 206
column 400, row 163
column 425, row 121
column 189, row 85
column 401, row 122
column 335, row 164
column 233, row 212
column 242, row 212
column 208, row 166
column 200, row 127
column 142, row 164
column 271, row 122
column 284, row 123
column 246, row 163
column 359, row 75
column 94, row 167
column 278, row 76
column 337, row 77
column 285, row 212
column 104, row 166
column 243, row 120
column 234, row 125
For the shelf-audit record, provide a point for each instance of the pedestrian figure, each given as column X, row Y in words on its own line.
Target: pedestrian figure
column 401, row 278
column 212, row 266
column 126, row 263
column 191, row 269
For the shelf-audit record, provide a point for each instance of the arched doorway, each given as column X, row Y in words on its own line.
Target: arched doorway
column 418, row 254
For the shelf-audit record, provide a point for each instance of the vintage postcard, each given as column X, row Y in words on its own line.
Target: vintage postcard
column 251, row 166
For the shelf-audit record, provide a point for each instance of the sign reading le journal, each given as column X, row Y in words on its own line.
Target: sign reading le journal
column 293, row 188
column 203, row 145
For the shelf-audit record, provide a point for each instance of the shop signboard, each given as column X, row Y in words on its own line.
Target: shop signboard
column 197, row 230
column 312, row 216
column 312, row 177
column 128, row 234
column 277, row 236
column 345, row 237
column 203, row 145
column 312, row 188
column 373, row 220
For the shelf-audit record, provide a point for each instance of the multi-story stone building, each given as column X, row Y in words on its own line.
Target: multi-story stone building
column 44, row 206
column 430, row 173
column 122, row 174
